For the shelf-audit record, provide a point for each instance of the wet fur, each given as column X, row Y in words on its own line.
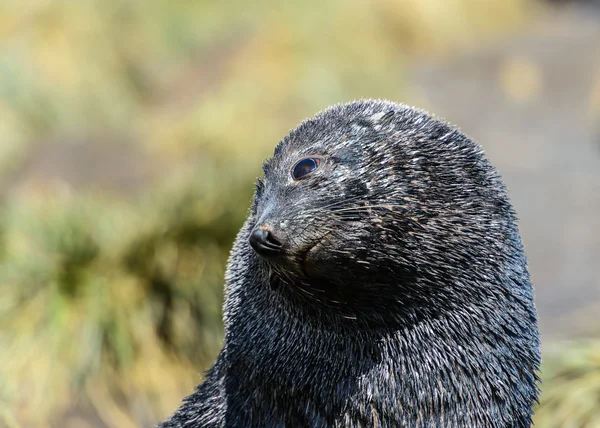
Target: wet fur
column 404, row 297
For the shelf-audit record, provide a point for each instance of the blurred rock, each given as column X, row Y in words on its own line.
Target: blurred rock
column 533, row 103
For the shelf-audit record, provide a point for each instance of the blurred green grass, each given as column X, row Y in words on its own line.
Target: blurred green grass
column 110, row 296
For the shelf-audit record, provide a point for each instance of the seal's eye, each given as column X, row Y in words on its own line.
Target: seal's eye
column 305, row 167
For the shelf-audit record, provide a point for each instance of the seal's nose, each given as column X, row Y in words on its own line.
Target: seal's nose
column 264, row 242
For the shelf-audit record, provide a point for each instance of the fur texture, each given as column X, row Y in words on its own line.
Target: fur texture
column 402, row 296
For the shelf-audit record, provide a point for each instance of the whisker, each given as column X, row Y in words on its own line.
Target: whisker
column 335, row 204
column 389, row 207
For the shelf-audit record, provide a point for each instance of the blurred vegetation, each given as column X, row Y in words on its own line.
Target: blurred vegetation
column 111, row 282
column 571, row 386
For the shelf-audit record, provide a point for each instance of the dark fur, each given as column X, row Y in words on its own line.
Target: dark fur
column 403, row 298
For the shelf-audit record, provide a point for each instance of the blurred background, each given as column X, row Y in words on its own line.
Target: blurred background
column 131, row 133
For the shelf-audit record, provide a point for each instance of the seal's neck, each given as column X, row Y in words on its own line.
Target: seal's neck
column 435, row 370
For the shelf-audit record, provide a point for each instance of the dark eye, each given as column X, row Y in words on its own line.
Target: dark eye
column 305, row 167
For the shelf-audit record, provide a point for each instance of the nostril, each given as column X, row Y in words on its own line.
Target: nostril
column 264, row 242
column 271, row 239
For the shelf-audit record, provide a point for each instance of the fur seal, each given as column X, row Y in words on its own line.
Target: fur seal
column 379, row 280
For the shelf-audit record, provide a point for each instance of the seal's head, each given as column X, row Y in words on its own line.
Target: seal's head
column 374, row 204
